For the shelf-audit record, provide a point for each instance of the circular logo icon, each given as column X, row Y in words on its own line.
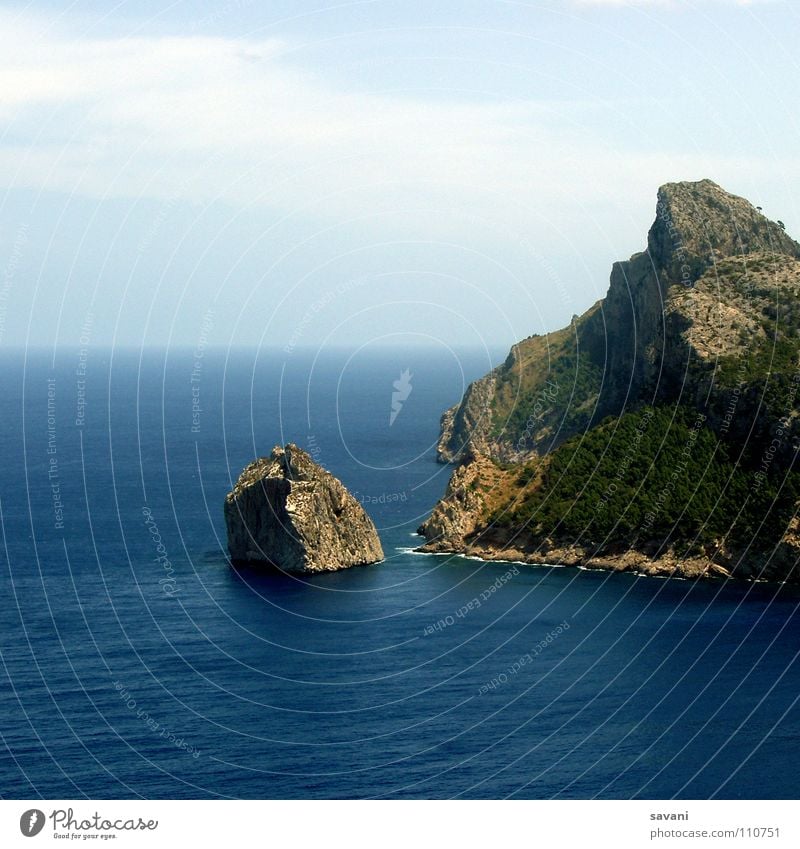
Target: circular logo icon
column 31, row 822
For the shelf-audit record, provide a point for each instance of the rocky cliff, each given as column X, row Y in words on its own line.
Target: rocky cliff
column 632, row 346
column 704, row 323
column 287, row 511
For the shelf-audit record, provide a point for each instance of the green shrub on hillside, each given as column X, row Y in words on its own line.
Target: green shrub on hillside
column 655, row 474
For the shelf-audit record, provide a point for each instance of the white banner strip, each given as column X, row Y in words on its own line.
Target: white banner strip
column 379, row 824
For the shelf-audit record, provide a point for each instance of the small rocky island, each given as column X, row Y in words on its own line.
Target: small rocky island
column 289, row 512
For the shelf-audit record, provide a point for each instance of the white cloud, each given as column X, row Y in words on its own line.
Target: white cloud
column 104, row 115
column 200, row 117
column 675, row 4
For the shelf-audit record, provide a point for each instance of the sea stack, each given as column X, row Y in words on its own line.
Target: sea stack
column 287, row 511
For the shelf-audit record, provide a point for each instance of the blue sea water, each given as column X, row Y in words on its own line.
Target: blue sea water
column 125, row 675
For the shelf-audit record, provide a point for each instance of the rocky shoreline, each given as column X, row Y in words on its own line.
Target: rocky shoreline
column 668, row 564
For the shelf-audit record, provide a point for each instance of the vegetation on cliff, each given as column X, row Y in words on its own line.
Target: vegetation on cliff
column 659, row 473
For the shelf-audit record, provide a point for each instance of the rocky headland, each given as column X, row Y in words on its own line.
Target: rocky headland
column 657, row 433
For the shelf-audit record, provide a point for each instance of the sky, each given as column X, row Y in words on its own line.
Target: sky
column 299, row 174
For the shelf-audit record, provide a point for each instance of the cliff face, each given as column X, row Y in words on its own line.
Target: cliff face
column 706, row 319
column 632, row 347
column 642, row 326
column 467, row 501
column 287, row 511
column 469, row 423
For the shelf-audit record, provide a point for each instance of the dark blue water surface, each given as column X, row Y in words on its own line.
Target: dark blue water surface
column 126, row 676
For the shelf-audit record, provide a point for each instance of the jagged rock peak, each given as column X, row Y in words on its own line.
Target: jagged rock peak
column 622, row 344
column 288, row 511
column 699, row 222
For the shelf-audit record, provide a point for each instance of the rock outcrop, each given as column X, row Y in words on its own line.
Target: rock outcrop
column 467, row 500
column 706, row 322
column 467, row 426
column 287, row 511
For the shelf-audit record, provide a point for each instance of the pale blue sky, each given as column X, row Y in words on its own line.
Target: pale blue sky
column 306, row 172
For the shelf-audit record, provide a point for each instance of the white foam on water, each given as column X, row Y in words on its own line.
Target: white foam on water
column 402, row 549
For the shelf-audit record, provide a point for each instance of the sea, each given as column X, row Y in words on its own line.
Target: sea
column 137, row 662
